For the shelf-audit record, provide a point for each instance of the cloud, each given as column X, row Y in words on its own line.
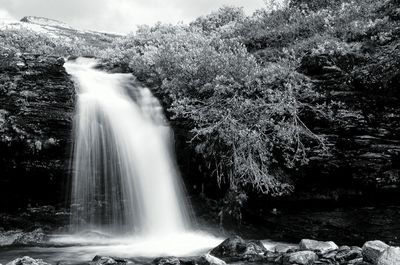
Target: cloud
column 120, row 15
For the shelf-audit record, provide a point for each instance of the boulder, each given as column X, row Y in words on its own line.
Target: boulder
column 254, row 247
column 208, row 259
column 101, row 260
column 329, row 257
column 346, row 255
column 273, row 257
column 391, row 256
column 372, row 250
column 235, row 248
column 27, row 261
column 358, row 261
column 8, row 237
column 229, row 247
column 166, row 261
column 31, row 238
column 282, row 248
column 304, row 257
column 317, row 246
column 344, row 248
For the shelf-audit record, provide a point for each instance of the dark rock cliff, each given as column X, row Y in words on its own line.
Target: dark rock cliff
column 36, row 112
column 363, row 130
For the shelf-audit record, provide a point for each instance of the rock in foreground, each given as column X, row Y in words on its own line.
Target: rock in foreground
column 304, row 257
column 391, row 256
column 166, row 261
column 31, row 238
column 318, row 246
column 27, row 261
column 235, row 248
column 208, row 259
column 20, row 238
column 239, row 251
column 372, row 250
column 101, row 260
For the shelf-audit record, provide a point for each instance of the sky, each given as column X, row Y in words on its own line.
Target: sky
column 120, row 16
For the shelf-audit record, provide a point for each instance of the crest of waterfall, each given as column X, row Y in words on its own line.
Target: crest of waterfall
column 124, row 176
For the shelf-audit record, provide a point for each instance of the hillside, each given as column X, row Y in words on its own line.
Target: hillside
column 47, row 36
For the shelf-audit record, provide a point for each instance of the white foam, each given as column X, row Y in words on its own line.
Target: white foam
column 180, row 245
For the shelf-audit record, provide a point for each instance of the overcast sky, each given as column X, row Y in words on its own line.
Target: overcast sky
column 118, row 15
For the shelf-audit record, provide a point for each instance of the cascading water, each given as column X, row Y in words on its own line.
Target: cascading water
column 124, row 180
column 125, row 184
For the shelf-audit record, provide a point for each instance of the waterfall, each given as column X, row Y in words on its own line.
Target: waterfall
column 124, row 176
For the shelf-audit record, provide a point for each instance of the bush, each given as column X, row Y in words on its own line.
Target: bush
column 243, row 116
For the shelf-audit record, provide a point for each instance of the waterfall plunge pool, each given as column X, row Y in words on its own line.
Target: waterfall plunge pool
column 75, row 249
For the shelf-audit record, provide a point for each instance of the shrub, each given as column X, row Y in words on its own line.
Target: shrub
column 243, row 116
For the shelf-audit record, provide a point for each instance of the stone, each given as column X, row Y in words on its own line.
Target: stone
column 254, row 247
column 371, row 250
column 208, row 259
column 166, row 261
column 356, row 248
column 27, row 261
column 237, row 248
column 102, row 260
column 304, row 257
column 346, row 255
column 272, row 256
column 357, row 261
column 31, row 238
column 344, row 248
column 330, row 256
column 7, row 238
column 282, row 248
column 229, row 247
column 391, row 256
column 317, row 246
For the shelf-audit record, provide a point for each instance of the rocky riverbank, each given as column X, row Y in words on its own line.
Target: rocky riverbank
column 236, row 250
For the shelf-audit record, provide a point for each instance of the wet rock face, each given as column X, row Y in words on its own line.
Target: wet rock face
column 36, row 112
column 363, row 131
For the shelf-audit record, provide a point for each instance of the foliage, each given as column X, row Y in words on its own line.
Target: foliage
column 243, row 115
column 233, row 79
column 223, row 17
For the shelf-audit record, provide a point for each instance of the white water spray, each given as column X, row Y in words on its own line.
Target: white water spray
column 126, row 197
column 124, row 180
